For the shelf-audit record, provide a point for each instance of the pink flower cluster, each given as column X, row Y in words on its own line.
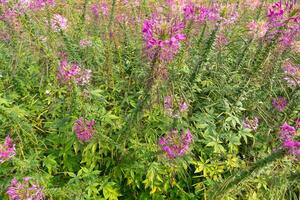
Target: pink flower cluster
column 200, row 14
column 59, row 23
column 257, row 29
column 84, row 129
column 162, row 37
column 7, row 150
column 68, row 72
column 250, row 123
column 23, row 6
column 284, row 19
column 168, row 106
column 175, row 145
column 280, row 103
column 96, row 9
column 292, row 75
column 24, row 190
column 85, row 43
column 287, row 135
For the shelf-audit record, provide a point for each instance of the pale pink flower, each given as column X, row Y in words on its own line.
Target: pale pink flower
column 59, row 23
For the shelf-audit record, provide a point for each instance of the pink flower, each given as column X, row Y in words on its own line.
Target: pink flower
column 292, row 74
column 258, row 30
column 200, row 14
column 85, row 43
column 162, row 37
column 183, row 106
column 221, row 41
column 7, row 150
column 280, row 103
column 58, row 23
column 250, row 123
column 68, row 72
column 168, row 104
column 287, row 134
column 84, row 129
column 252, row 4
column 175, row 145
column 24, row 190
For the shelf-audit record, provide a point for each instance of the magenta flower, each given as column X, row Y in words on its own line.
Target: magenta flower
column 175, row 145
column 7, row 150
column 72, row 72
column 84, row 129
column 287, row 135
column 250, row 123
column 200, row 14
column 24, row 190
column 280, row 103
column 162, row 37
column 59, row 23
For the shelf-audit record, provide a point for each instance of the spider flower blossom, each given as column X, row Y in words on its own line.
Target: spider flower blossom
column 287, row 135
column 84, row 129
column 250, row 123
column 292, row 75
column 285, row 15
column 59, row 23
column 85, row 43
column 200, row 14
column 162, row 37
column 7, row 150
column 68, row 72
column 175, row 145
column 25, row 190
column 257, row 29
column 280, row 103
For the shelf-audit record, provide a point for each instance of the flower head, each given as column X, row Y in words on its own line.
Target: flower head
column 67, row 72
column 7, row 150
column 25, row 190
column 162, row 37
column 280, row 103
column 84, row 129
column 287, row 136
column 292, row 74
column 175, row 145
column 250, row 123
column 58, row 23
column 85, row 43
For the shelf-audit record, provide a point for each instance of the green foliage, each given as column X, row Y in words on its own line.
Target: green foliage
column 123, row 160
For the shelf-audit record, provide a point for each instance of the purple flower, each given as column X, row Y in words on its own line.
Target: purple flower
column 175, row 145
column 200, row 14
column 84, row 129
column 183, row 106
column 162, row 37
column 58, row 23
column 280, row 103
column 68, row 72
column 287, row 135
column 292, row 74
column 24, row 190
column 250, row 123
column 7, row 150
column 168, row 104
